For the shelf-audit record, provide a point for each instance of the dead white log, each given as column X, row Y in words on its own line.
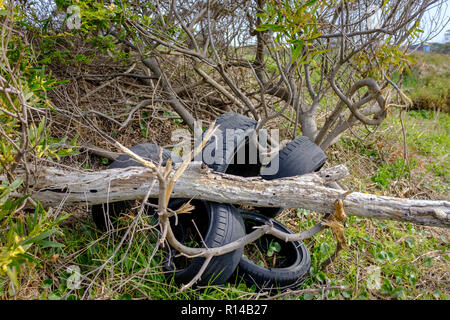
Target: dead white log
column 52, row 186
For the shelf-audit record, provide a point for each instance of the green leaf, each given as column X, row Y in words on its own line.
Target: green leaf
column 47, row 283
column 126, row 296
column 271, row 27
column 308, row 296
column 412, row 279
column 320, row 276
column 347, row 294
column 39, row 237
column 303, row 212
column 54, row 296
column 387, row 287
column 315, row 53
column 324, row 248
column 398, row 293
column 50, row 244
column 296, row 52
column 437, row 294
column 15, row 184
column 410, row 242
column 12, row 275
column 381, row 256
column 309, row 3
column 275, row 246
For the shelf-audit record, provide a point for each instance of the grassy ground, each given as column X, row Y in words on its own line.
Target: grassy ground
column 388, row 259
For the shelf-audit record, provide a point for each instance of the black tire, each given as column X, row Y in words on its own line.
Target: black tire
column 218, row 224
column 102, row 213
column 294, row 268
column 298, row 157
column 148, row 151
column 232, row 145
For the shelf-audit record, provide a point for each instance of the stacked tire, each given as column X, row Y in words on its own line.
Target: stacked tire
column 218, row 224
column 231, row 151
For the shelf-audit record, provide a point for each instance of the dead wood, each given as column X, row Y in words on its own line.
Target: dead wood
column 310, row 191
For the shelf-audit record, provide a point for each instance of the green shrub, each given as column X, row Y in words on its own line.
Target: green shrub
column 24, row 86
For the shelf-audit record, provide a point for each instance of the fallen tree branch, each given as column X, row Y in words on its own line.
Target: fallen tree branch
column 309, row 191
column 100, row 152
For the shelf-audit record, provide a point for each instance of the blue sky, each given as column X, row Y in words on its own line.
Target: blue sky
column 444, row 15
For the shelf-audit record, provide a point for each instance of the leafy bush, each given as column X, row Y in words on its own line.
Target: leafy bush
column 23, row 93
column 428, row 83
column 26, row 236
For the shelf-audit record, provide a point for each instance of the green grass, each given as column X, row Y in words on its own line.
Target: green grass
column 134, row 272
column 428, row 140
column 404, row 255
column 400, row 251
column 411, row 262
column 428, row 83
column 387, row 173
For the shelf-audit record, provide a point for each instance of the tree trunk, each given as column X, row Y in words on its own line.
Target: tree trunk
column 310, row 191
column 309, row 125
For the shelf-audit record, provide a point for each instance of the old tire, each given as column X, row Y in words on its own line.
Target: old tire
column 102, row 213
column 234, row 129
column 298, row 157
column 294, row 267
column 218, row 224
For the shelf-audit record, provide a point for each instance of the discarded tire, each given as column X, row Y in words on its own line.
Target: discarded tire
column 218, row 225
column 298, row 157
column 213, row 224
column 231, row 153
column 102, row 213
column 293, row 259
